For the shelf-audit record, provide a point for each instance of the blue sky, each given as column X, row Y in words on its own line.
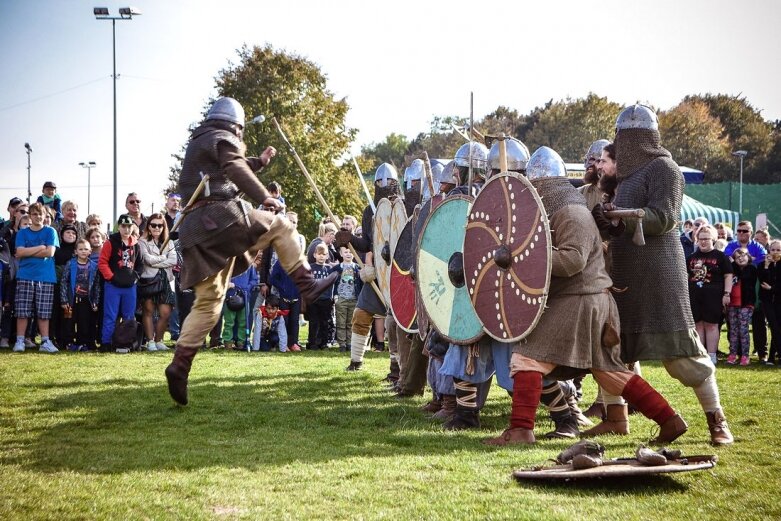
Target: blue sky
column 397, row 63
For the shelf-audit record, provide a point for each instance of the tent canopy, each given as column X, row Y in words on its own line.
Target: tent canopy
column 692, row 208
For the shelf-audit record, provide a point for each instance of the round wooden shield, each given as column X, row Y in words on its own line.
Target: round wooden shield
column 402, row 286
column 420, row 221
column 618, row 468
column 507, row 257
column 381, row 243
column 440, row 272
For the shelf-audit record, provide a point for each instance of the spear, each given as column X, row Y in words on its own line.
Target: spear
column 363, row 183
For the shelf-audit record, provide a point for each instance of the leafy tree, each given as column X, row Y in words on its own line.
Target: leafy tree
column 293, row 89
column 570, row 126
column 392, row 151
column 694, row 137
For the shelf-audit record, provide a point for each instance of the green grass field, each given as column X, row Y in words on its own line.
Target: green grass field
column 293, row 436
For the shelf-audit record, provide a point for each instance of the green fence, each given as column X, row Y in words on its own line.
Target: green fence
column 756, row 199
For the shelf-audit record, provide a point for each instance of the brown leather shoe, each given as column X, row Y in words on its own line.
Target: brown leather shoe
column 512, row 437
column 670, row 430
column 432, row 406
column 719, row 431
column 448, row 409
column 616, row 422
column 596, row 410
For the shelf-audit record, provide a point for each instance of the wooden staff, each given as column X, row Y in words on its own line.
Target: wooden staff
column 429, row 174
column 363, row 183
column 630, row 213
column 322, row 201
column 183, row 214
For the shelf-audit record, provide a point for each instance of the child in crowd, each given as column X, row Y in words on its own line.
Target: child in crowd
column 62, row 256
column 244, row 283
column 270, row 329
column 741, row 305
column 770, row 298
column 319, row 311
column 51, row 199
column 96, row 239
column 347, row 289
column 79, row 297
column 284, row 286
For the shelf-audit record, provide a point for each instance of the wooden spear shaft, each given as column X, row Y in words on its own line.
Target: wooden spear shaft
column 321, row 199
column 196, row 194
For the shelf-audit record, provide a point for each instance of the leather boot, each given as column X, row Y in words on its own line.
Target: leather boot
column 616, row 422
column 177, row 372
column 309, row 287
column 512, row 437
column 448, row 408
column 354, row 366
column 670, row 430
column 463, row 419
column 653, row 406
column 596, row 410
column 566, row 428
column 577, row 413
column 432, row 406
column 719, row 431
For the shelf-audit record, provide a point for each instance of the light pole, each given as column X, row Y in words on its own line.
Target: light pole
column 125, row 13
column 741, row 154
column 29, row 151
column 89, row 165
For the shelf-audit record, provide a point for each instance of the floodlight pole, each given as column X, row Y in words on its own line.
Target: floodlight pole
column 89, row 165
column 741, row 154
column 29, row 189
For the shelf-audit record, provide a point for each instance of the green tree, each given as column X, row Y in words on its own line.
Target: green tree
column 392, row 151
column 694, row 137
column 570, row 126
column 293, row 89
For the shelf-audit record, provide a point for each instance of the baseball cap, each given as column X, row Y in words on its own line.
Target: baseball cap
column 124, row 219
column 15, row 201
column 50, row 184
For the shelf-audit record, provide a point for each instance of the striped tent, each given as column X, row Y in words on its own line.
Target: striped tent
column 692, row 208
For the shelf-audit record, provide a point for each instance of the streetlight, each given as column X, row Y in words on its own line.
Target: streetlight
column 125, row 13
column 89, row 166
column 741, row 154
column 29, row 151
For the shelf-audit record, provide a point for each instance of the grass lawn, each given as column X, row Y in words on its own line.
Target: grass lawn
column 293, row 436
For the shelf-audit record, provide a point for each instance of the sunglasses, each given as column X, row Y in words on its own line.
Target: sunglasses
column 155, row 225
column 744, row 231
column 23, row 212
column 136, row 201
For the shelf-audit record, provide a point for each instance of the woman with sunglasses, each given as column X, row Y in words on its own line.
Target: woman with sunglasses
column 157, row 263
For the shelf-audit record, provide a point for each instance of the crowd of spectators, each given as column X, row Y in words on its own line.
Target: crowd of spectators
column 72, row 284
column 733, row 282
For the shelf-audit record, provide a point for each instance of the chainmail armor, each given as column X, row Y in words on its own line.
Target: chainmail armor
column 556, row 193
column 636, row 147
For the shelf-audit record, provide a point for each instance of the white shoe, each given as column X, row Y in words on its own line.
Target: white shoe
column 29, row 343
column 151, row 346
column 19, row 346
column 48, row 347
column 161, row 346
column 122, row 350
column 4, row 343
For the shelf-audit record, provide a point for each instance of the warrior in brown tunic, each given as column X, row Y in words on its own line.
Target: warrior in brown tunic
column 579, row 330
column 221, row 233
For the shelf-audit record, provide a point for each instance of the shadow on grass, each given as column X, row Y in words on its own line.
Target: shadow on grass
column 659, row 484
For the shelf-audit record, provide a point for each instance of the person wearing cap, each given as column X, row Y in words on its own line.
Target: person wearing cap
column 119, row 264
column 52, row 199
column 13, row 204
column 221, row 233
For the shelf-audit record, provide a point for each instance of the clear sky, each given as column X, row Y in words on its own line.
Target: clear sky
column 398, row 64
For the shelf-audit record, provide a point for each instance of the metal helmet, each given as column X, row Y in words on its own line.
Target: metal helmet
column 517, row 155
column 637, row 116
column 437, row 167
column 479, row 155
column 545, row 162
column 386, row 172
column 414, row 172
column 446, row 175
column 227, row 109
column 595, row 152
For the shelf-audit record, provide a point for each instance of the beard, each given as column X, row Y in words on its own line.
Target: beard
column 591, row 176
column 608, row 184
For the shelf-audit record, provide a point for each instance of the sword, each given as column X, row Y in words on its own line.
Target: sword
column 322, row 201
column 203, row 185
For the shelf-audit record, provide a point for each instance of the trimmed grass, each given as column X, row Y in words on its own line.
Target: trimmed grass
column 293, row 436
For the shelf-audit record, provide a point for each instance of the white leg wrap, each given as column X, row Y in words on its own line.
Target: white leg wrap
column 357, row 347
column 611, row 399
column 708, row 394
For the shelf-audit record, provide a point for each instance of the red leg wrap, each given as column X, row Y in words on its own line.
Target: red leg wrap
column 647, row 400
column 527, row 389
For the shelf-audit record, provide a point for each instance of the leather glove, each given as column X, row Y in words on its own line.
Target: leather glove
column 343, row 237
column 367, row 273
column 603, row 223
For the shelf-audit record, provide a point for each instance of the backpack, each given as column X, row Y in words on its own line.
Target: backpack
column 127, row 335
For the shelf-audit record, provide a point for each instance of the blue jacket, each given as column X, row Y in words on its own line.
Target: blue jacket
column 247, row 280
column 755, row 249
column 285, row 286
column 68, row 283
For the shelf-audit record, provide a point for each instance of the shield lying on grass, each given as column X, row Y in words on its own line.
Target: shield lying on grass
column 621, row 467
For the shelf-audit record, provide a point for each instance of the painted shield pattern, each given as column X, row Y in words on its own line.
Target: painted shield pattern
column 440, row 272
column 420, row 220
column 507, row 257
column 402, row 285
column 381, row 245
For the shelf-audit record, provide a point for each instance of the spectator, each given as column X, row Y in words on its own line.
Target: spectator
column 348, row 287
column 759, row 323
column 48, row 216
column 96, row 239
column 270, row 331
column 319, row 311
column 70, row 212
column 133, row 206
column 724, row 232
column 327, row 233
column 94, row 220
column 687, row 239
column 710, row 286
column 290, row 302
column 51, row 199
column 157, row 263
column 119, row 264
column 80, row 298
column 62, row 256
column 35, row 279
column 741, row 306
column 16, row 208
column 275, row 191
column 13, row 204
column 19, row 219
column 239, row 284
column 172, row 207
column 770, row 297
column 744, row 240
